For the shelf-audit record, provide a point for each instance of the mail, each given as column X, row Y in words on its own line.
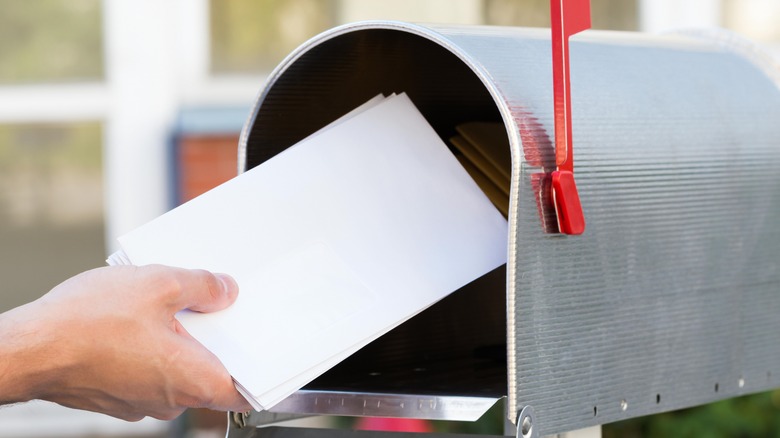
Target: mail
column 333, row 242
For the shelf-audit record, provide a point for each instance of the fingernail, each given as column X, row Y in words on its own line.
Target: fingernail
column 229, row 285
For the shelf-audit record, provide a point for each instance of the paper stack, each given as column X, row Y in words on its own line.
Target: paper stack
column 484, row 153
column 333, row 242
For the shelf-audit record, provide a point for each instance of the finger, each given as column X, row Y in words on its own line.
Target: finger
column 227, row 398
column 211, row 383
column 202, row 291
column 219, row 295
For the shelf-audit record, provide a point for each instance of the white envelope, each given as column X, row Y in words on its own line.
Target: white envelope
column 333, row 243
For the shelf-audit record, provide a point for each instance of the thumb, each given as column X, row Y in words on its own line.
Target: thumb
column 203, row 291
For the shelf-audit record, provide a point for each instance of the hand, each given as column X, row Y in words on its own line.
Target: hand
column 107, row 340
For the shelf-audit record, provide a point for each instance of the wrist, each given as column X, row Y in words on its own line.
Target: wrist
column 28, row 360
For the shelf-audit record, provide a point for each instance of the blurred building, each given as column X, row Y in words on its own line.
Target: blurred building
column 113, row 111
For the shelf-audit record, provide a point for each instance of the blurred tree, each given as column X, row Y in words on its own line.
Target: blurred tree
column 251, row 36
column 51, row 206
column 50, row 41
column 605, row 14
column 752, row 416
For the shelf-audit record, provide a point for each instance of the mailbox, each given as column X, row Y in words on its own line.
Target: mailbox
column 671, row 297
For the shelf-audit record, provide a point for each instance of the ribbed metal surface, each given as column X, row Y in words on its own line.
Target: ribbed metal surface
column 671, row 298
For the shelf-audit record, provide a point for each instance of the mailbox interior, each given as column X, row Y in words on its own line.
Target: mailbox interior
column 458, row 346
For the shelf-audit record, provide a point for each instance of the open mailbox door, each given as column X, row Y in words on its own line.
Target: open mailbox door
column 670, row 299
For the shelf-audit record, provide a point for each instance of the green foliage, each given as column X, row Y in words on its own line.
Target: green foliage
column 254, row 35
column 605, row 14
column 50, row 41
column 756, row 415
column 72, row 145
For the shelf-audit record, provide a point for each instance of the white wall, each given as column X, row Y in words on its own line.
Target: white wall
column 157, row 59
column 424, row 11
column 662, row 15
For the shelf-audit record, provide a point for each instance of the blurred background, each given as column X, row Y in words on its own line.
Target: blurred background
column 114, row 111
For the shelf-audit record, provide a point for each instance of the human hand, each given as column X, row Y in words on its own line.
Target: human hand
column 107, row 340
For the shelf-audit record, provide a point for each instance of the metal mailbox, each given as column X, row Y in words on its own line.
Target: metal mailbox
column 671, row 297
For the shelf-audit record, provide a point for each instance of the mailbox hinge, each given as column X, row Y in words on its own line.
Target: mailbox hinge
column 526, row 423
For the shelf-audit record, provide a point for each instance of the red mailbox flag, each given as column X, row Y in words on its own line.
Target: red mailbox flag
column 568, row 17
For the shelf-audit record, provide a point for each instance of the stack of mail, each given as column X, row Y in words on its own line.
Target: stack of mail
column 484, row 152
column 333, row 242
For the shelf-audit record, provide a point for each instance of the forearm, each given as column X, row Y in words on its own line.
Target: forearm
column 25, row 363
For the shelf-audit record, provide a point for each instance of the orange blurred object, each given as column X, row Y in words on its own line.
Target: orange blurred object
column 204, row 163
column 394, row 424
